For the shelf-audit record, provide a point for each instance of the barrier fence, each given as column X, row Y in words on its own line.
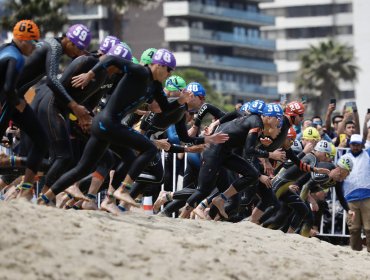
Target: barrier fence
column 334, row 225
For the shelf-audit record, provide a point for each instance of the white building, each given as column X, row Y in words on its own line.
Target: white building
column 301, row 23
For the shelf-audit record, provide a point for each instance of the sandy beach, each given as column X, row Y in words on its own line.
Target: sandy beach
column 47, row 243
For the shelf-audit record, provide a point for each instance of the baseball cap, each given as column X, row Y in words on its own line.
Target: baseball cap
column 356, row 139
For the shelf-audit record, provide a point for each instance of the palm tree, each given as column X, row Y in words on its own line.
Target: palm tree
column 48, row 14
column 321, row 70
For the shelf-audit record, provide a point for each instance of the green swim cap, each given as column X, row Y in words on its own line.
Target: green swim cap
column 147, row 56
column 134, row 60
column 175, row 83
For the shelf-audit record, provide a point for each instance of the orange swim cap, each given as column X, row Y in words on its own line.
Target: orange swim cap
column 26, row 30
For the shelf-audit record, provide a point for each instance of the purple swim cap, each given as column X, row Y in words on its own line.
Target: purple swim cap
column 165, row 58
column 107, row 43
column 79, row 35
column 121, row 51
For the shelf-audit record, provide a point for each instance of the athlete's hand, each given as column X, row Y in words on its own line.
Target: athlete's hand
column 141, row 112
column 266, row 181
column 21, row 106
column 266, row 141
column 278, row 154
column 294, row 188
column 83, row 117
column 185, row 97
column 212, row 127
column 351, row 215
column 162, row 144
column 195, row 148
column 308, row 148
column 321, row 170
column 216, row 138
column 267, row 167
column 82, row 80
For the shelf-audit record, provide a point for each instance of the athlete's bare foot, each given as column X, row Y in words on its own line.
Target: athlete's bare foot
column 110, row 207
column 89, row 205
column 69, row 204
column 78, row 204
column 163, row 197
column 61, row 199
column 25, row 194
column 11, row 193
column 199, row 212
column 40, row 201
column 185, row 213
column 219, row 203
column 125, row 196
column 76, row 193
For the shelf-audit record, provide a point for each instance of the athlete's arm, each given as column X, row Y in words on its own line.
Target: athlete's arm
column 10, row 80
column 204, row 110
column 300, row 164
column 340, row 195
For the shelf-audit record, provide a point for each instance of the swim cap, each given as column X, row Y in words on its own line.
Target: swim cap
column 79, row 35
column 121, row 51
column 26, row 30
column 323, row 146
column 297, row 146
column 147, row 56
column 294, row 108
column 197, row 89
column 311, row 133
column 273, row 110
column 107, row 43
column 256, row 106
column 134, row 60
column 345, row 162
column 165, row 58
column 127, row 46
column 175, row 83
column 292, row 134
column 245, row 107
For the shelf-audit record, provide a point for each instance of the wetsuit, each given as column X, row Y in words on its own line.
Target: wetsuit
column 289, row 199
column 154, row 126
column 135, row 88
column 11, row 67
column 243, row 132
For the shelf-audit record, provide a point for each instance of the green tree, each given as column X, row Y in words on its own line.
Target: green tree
column 217, row 99
column 321, row 70
column 48, row 14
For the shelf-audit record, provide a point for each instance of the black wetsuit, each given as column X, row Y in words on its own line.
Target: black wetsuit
column 289, row 199
column 135, row 88
column 154, row 126
column 11, row 67
column 54, row 113
column 243, row 132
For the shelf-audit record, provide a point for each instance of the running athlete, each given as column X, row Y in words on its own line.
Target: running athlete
column 45, row 61
column 322, row 182
column 25, row 35
column 243, row 132
column 54, row 114
column 130, row 93
column 284, row 186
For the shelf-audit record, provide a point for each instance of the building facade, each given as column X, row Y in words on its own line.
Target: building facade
column 299, row 24
column 220, row 38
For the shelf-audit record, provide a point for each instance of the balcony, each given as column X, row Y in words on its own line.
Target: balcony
column 248, row 90
column 225, row 63
column 209, row 37
column 79, row 11
column 183, row 8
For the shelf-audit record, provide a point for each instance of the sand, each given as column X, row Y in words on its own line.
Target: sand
column 46, row 243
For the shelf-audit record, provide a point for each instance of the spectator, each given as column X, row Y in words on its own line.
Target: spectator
column 332, row 131
column 344, row 138
column 306, row 123
column 317, row 123
column 356, row 189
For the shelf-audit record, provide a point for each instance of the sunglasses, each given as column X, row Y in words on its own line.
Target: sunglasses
column 32, row 42
column 301, row 115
